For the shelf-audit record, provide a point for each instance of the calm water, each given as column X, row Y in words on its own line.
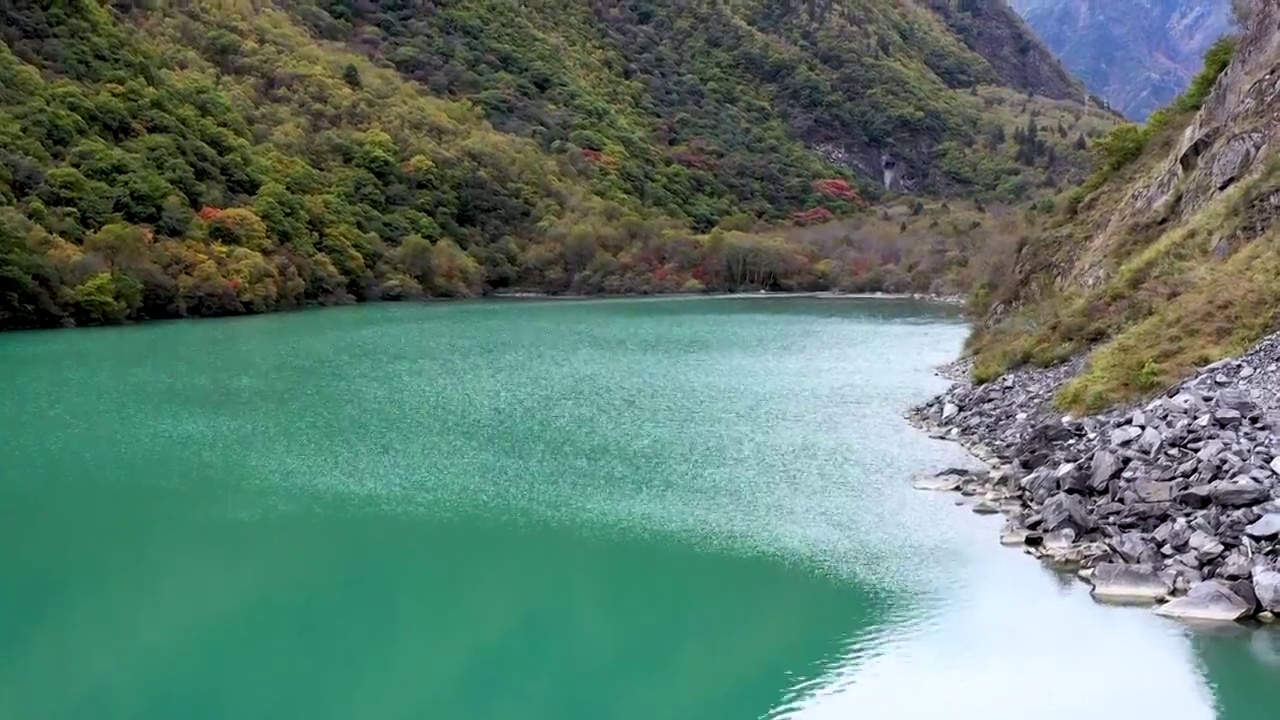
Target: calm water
column 617, row 509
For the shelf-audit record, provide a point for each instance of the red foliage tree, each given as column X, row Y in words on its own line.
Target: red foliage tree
column 814, row 216
column 840, row 189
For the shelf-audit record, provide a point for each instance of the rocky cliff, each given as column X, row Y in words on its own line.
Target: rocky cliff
column 1167, row 259
column 1137, row 54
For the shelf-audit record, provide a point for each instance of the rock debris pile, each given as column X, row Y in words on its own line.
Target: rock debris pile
column 1173, row 501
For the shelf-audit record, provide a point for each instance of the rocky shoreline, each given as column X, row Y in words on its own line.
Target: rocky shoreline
column 1172, row 502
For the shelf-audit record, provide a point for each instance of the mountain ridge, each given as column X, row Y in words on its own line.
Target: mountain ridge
column 1138, row 55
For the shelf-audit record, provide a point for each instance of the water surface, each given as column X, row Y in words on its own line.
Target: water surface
column 615, row 509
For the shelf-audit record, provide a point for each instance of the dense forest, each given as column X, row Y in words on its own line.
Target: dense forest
column 166, row 159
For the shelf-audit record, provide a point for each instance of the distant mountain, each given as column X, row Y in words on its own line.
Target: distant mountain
column 1137, row 54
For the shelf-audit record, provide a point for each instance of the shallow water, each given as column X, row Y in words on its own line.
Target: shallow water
column 624, row 509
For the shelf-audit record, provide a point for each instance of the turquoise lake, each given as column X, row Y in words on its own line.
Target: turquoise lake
column 652, row 508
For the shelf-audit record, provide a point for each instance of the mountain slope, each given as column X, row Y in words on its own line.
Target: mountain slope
column 746, row 90
column 1020, row 60
column 218, row 158
column 1169, row 259
column 1139, row 54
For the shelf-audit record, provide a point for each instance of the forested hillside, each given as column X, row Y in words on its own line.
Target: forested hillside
column 201, row 158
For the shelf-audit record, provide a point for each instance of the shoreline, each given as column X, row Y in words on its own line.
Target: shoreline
column 1173, row 502
column 955, row 301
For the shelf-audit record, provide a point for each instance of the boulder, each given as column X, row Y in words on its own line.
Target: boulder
column 1151, row 491
column 1128, row 583
column 1266, row 585
column 1125, row 435
column 1205, row 546
column 1149, row 441
column 1267, row 527
column 1040, row 484
column 1106, row 465
column 1244, row 590
column 942, row 483
column 1240, row 491
column 1015, row 535
column 1235, row 566
column 949, row 411
column 1196, row 497
column 1211, row 450
column 1134, row 548
column 1072, row 479
column 1237, row 400
column 1227, row 417
column 1211, row 600
column 1064, row 511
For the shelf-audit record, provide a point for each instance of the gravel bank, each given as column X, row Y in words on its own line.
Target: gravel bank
column 1172, row 502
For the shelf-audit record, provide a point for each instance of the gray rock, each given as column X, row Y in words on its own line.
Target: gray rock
column 1236, row 400
column 949, row 411
column 1235, row 567
column 1149, row 441
column 1244, row 590
column 1128, row 583
column 1134, row 548
column 1211, row 600
column 1196, row 497
column 1064, row 511
column 1266, row 585
column 1227, row 417
column 1040, row 484
column 1206, row 546
column 1267, row 527
column 1106, row 465
column 1234, row 158
column 1150, row 491
column 1211, row 450
column 1125, row 435
column 1239, row 491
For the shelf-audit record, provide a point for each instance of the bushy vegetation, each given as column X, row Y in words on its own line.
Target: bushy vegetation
column 211, row 158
